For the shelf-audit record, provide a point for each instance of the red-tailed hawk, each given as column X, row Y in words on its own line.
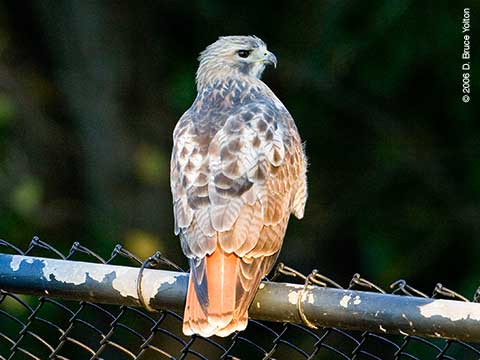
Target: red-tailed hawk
column 238, row 171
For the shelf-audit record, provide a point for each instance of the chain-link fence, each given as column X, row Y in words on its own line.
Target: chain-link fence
column 46, row 328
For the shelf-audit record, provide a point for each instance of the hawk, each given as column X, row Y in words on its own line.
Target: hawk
column 238, row 170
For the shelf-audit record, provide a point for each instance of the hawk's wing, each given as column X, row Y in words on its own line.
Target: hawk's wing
column 234, row 184
column 239, row 179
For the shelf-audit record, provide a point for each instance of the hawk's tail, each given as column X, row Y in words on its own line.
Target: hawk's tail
column 219, row 294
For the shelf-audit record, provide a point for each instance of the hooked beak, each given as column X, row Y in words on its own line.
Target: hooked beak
column 270, row 59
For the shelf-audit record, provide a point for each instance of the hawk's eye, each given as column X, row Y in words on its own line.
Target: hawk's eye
column 244, row 53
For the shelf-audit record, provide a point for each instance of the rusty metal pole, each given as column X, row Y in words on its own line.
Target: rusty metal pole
column 325, row 307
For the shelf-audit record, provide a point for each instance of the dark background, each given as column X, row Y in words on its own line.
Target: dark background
column 90, row 92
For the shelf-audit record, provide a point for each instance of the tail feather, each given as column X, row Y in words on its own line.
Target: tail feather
column 218, row 305
column 221, row 274
column 234, row 325
column 195, row 321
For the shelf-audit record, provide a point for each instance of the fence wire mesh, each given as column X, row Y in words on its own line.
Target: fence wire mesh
column 45, row 328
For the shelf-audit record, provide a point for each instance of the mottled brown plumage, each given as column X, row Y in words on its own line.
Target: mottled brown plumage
column 238, row 171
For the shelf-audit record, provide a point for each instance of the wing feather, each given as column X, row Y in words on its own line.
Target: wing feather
column 240, row 180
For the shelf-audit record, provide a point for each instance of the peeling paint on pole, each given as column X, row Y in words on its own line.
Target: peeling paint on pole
column 344, row 301
column 463, row 311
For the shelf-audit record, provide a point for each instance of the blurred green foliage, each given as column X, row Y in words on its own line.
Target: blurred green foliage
column 90, row 93
column 7, row 110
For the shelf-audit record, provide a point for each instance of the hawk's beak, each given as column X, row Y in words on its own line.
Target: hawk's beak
column 270, row 59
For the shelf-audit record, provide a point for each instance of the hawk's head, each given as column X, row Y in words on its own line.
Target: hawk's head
column 234, row 55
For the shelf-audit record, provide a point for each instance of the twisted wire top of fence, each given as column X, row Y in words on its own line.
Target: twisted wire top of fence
column 46, row 328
